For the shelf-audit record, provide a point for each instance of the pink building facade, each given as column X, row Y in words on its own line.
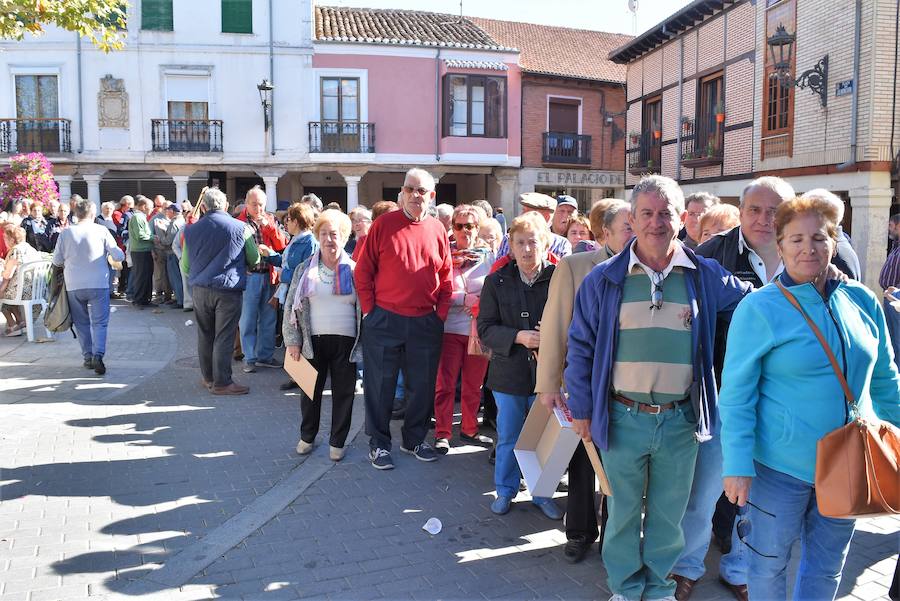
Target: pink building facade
column 385, row 104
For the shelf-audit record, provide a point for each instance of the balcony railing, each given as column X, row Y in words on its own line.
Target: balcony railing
column 567, row 148
column 49, row 136
column 186, row 135
column 341, row 136
column 645, row 152
column 702, row 143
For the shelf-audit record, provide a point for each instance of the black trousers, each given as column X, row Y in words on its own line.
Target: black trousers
column 217, row 313
column 331, row 354
column 581, row 511
column 391, row 342
column 142, row 272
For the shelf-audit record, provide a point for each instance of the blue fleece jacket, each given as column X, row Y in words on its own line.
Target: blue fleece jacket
column 712, row 291
column 298, row 250
column 780, row 394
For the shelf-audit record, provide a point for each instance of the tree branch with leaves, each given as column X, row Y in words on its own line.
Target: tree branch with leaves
column 101, row 21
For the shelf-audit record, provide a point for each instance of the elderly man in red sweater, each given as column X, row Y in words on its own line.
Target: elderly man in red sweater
column 403, row 280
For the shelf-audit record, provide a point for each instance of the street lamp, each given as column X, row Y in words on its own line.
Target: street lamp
column 781, row 49
column 265, row 97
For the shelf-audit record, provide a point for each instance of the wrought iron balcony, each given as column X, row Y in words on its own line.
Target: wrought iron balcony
column 574, row 149
column 186, row 135
column 48, row 136
column 702, row 144
column 645, row 152
column 341, row 136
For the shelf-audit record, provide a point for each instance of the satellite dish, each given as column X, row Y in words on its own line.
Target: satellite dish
column 633, row 5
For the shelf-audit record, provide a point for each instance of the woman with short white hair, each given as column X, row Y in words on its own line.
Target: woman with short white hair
column 512, row 301
column 322, row 322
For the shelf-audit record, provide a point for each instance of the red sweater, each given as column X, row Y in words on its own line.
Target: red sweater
column 405, row 267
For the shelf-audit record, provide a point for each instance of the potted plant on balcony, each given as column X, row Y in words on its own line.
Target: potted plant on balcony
column 688, row 156
column 635, row 138
column 686, row 124
column 657, row 131
column 720, row 112
column 650, row 164
column 711, row 148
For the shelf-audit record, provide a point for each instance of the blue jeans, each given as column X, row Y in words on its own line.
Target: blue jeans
column 697, row 521
column 893, row 325
column 794, row 515
column 90, row 317
column 258, row 319
column 511, row 412
column 173, row 271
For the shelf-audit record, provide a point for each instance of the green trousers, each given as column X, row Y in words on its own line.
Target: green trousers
column 656, row 454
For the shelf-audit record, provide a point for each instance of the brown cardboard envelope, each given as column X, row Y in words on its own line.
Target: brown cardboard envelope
column 302, row 372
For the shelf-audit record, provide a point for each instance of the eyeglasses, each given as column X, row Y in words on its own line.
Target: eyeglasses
column 744, row 527
column 656, row 291
column 421, row 191
column 464, row 226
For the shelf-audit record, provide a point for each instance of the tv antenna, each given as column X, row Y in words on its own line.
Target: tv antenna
column 459, row 20
column 633, row 9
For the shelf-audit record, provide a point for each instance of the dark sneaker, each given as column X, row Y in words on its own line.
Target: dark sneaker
column 99, row 368
column 288, row 385
column 88, row 363
column 381, row 459
column 442, row 446
column 250, row 368
column 422, row 452
column 477, row 438
column 268, row 363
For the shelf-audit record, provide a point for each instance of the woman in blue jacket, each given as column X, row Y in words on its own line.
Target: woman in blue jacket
column 780, row 395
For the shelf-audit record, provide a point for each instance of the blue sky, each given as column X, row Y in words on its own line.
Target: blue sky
column 604, row 15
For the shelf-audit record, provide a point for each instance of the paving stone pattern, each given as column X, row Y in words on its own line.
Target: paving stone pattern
column 105, row 479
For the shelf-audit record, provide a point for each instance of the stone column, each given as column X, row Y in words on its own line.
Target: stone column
column 93, row 189
column 65, row 187
column 181, row 187
column 508, row 197
column 270, row 180
column 871, row 208
column 352, row 191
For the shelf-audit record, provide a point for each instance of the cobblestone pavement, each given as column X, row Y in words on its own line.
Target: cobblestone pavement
column 108, row 484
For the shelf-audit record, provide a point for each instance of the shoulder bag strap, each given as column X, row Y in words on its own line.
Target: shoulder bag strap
column 851, row 399
column 524, row 314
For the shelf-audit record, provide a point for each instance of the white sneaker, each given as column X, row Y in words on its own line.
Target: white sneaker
column 336, row 453
column 624, row 598
column 304, row 448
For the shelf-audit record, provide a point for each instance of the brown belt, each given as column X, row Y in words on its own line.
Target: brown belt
column 646, row 408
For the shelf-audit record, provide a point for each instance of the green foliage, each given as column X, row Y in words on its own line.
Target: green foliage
column 101, row 21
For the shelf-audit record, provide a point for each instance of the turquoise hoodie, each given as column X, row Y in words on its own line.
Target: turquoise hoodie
column 780, row 394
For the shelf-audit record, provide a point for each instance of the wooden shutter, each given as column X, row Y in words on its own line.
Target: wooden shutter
column 156, row 15
column 237, row 16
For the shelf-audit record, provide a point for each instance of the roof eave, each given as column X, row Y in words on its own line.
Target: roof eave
column 418, row 44
column 675, row 24
column 570, row 76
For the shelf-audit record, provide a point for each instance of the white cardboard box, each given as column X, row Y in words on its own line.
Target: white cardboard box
column 545, row 447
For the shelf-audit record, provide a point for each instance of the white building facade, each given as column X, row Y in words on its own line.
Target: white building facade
column 178, row 108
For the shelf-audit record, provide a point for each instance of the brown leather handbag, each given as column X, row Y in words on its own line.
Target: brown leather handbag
column 856, row 465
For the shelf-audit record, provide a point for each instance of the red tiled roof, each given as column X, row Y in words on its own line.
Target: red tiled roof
column 562, row 51
column 406, row 27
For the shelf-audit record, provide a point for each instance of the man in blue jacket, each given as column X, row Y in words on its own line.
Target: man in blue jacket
column 216, row 254
column 641, row 383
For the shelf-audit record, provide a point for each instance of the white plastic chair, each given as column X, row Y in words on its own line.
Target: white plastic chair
column 39, row 270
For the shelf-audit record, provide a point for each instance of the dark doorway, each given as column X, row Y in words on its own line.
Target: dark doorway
column 329, row 194
column 446, row 194
column 242, row 185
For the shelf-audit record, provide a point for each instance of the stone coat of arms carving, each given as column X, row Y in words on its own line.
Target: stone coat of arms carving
column 112, row 103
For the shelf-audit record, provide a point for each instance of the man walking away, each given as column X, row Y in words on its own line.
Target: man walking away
column 217, row 252
column 83, row 251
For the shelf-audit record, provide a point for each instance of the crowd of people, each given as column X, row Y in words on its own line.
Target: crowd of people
column 664, row 325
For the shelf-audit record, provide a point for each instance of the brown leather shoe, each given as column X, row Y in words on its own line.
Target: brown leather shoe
column 684, row 586
column 738, row 590
column 231, row 389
